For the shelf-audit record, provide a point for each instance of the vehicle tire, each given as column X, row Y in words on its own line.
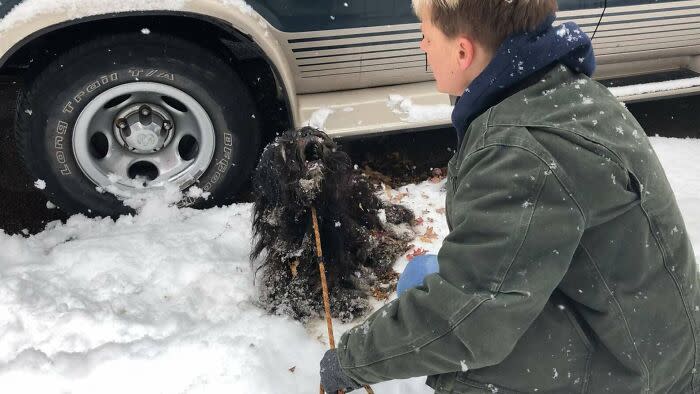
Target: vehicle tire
column 122, row 114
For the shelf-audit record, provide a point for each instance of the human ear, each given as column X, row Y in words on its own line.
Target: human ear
column 465, row 52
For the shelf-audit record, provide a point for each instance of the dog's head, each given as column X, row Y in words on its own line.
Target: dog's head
column 299, row 166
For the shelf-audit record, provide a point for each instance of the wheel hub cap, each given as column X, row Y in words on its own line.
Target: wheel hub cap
column 143, row 135
column 144, row 128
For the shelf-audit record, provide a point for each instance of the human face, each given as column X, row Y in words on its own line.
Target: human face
column 451, row 59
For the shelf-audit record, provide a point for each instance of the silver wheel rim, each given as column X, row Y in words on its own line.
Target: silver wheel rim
column 143, row 135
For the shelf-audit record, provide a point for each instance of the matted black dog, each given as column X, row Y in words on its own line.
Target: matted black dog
column 304, row 168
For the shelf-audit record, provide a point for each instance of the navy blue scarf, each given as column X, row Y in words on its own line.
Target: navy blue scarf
column 518, row 58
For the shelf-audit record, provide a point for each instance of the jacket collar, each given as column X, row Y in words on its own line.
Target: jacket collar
column 517, row 60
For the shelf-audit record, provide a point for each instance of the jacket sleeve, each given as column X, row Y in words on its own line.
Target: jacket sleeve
column 514, row 232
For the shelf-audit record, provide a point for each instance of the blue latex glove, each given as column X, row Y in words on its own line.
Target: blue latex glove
column 416, row 270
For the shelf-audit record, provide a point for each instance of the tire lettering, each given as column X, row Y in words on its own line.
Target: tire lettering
column 186, row 202
column 153, row 72
column 61, row 130
column 79, row 96
column 223, row 164
column 92, row 86
column 109, row 78
column 62, row 127
column 165, row 75
column 68, row 108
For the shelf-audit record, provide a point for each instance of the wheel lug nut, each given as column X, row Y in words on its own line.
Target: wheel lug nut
column 167, row 125
column 145, row 110
column 122, row 124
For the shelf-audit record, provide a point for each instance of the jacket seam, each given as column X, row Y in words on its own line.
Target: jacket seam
column 524, row 237
column 691, row 321
column 590, row 346
column 489, row 118
column 587, row 376
column 619, row 163
column 559, row 181
column 622, row 315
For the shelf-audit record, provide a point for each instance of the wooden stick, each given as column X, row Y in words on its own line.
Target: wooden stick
column 324, row 286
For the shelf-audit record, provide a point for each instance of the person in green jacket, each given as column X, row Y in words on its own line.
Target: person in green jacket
column 568, row 268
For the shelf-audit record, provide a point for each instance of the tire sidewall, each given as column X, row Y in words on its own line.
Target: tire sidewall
column 215, row 86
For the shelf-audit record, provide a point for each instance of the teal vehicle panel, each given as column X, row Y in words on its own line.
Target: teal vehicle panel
column 312, row 15
column 6, row 6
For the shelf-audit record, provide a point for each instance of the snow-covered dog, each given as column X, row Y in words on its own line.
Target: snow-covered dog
column 304, row 168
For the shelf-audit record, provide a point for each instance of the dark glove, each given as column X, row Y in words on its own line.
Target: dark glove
column 332, row 376
column 415, row 272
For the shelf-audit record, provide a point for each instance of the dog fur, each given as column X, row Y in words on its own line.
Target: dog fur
column 304, row 168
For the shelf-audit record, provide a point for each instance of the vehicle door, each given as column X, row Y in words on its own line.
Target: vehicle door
column 348, row 44
column 648, row 30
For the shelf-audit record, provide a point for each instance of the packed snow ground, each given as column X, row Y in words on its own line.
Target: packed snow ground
column 164, row 302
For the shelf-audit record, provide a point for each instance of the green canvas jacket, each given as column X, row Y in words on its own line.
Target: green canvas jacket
column 567, row 268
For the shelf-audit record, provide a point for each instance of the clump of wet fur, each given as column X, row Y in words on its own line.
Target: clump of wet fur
column 304, row 168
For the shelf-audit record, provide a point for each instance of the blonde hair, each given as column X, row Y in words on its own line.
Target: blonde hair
column 487, row 21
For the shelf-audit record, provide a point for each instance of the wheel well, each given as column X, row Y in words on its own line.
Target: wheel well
column 237, row 50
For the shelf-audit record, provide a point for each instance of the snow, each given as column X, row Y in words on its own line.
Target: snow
column 164, row 301
column 623, row 91
column 415, row 113
column 319, row 117
column 74, row 9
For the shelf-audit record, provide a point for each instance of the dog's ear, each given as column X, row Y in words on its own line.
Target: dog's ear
column 269, row 173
